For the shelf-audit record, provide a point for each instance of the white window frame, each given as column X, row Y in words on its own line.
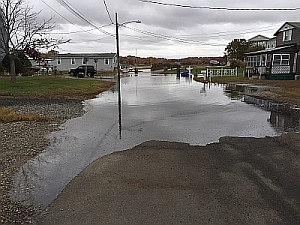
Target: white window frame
column 295, row 62
column 106, row 61
column 287, row 35
column 59, row 61
column 73, row 61
column 282, row 60
column 85, row 62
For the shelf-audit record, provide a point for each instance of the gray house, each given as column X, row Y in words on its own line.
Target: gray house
column 101, row 61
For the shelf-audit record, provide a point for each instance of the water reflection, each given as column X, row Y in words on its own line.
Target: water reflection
column 285, row 122
column 152, row 107
column 284, row 117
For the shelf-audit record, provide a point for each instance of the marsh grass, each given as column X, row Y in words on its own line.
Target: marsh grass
column 9, row 115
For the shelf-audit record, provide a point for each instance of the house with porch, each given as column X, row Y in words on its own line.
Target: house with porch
column 101, row 61
column 281, row 62
column 259, row 40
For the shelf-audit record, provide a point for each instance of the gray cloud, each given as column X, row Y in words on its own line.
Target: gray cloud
column 168, row 28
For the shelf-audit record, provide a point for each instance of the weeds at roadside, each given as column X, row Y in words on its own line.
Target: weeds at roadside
column 9, row 115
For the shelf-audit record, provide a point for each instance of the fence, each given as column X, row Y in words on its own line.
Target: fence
column 219, row 72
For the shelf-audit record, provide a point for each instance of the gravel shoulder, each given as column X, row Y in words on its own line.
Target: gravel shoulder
column 21, row 141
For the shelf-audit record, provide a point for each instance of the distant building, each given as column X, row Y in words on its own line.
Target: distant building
column 259, row 40
column 101, row 61
column 271, row 43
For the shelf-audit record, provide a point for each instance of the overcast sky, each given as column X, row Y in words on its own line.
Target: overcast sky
column 166, row 30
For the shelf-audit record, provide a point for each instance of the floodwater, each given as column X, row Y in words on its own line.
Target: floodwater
column 153, row 107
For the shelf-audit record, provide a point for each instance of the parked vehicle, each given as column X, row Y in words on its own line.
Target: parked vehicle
column 83, row 70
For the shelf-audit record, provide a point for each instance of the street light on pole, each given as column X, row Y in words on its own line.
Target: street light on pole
column 118, row 64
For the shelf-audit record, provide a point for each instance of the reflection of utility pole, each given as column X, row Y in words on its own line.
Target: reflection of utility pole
column 178, row 69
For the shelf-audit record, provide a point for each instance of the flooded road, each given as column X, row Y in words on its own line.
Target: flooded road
column 153, row 107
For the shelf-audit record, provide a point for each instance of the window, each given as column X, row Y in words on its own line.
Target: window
column 250, row 61
column 287, row 35
column 276, row 60
column 285, row 60
column 58, row 61
column 73, row 61
column 281, row 59
column 253, row 61
column 85, row 60
column 106, row 61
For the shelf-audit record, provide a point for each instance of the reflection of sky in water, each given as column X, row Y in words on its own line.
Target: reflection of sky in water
column 153, row 108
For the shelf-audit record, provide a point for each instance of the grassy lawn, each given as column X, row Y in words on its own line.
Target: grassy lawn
column 53, row 87
column 47, row 87
column 287, row 91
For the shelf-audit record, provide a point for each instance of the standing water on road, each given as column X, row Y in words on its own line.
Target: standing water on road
column 153, row 107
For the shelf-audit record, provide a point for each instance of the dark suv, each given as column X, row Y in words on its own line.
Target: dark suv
column 81, row 71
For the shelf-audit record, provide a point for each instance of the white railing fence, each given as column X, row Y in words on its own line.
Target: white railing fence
column 219, row 72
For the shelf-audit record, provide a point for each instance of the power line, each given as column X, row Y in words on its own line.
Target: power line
column 107, row 12
column 229, row 33
column 82, row 30
column 166, row 37
column 220, row 8
column 60, row 14
column 76, row 13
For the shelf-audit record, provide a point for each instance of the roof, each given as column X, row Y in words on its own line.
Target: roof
column 269, row 50
column 259, row 38
column 86, row 55
column 293, row 24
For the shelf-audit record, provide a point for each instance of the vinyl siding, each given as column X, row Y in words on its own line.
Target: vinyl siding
column 107, row 63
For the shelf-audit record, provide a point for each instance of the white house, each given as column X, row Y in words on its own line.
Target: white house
column 101, row 61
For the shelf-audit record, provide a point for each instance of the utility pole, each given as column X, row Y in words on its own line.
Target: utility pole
column 118, row 53
column 119, row 76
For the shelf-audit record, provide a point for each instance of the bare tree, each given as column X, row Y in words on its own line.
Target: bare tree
column 21, row 30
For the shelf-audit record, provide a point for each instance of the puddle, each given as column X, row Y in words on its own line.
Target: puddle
column 283, row 117
column 152, row 107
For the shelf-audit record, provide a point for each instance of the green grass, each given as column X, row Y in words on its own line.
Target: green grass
column 53, row 87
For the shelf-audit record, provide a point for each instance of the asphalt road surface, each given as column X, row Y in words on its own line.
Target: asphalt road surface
column 235, row 181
